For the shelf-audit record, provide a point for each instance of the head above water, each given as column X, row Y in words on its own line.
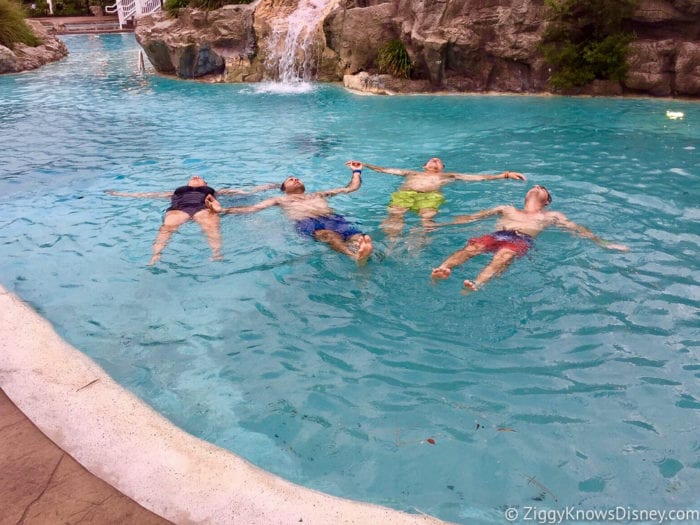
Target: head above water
column 196, row 182
column 292, row 185
column 434, row 164
column 539, row 194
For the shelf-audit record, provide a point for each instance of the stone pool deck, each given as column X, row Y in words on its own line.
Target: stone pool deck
column 40, row 483
column 130, row 447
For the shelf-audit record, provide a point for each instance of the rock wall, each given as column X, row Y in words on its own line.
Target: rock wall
column 457, row 45
column 23, row 58
column 200, row 44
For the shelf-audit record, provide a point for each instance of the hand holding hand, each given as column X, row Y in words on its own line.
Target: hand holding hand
column 354, row 165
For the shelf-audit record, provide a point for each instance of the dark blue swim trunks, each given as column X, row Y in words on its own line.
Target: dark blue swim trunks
column 334, row 223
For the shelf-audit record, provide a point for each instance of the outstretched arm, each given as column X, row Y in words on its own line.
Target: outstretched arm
column 267, row 203
column 504, row 175
column 562, row 221
column 254, row 189
column 390, row 171
column 464, row 219
column 152, row 195
column 355, row 181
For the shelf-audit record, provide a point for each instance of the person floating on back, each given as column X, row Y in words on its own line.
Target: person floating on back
column 420, row 193
column 514, row 235
column 195, row 201
column 314, row 218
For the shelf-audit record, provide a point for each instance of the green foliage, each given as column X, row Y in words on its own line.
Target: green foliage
column 587, row 40
column 172, row 6
column 393, row 58
column 62, row 7
column 13, row 28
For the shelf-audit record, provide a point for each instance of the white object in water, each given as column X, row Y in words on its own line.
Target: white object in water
column 674, row 115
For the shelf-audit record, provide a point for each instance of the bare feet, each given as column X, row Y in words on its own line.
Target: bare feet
column 470, row 285
column 154, row 259
column 364, row 248
column 441, row 272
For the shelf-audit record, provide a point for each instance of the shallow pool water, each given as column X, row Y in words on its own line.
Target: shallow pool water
column 571, row 380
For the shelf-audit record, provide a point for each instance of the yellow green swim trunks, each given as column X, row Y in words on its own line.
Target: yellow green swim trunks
column 417, row 200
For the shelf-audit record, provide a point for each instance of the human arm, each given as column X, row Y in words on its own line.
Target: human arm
column 211, row 203
column 254, row 189
column 471, row 178
column 560, row 220
column 151, row 195
column 267, row 203
column 354, row 184
column 483, row 214
column 390, row 171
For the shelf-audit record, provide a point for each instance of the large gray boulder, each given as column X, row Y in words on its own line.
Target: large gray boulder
column 456, row 45
column 23, row 58
column 198, row 43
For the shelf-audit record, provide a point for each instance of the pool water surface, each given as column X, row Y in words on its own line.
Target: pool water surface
column 571, row 380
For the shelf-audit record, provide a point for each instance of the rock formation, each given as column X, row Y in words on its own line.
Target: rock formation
column 456, row 45
column 22, row 57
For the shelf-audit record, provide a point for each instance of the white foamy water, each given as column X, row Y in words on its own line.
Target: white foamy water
column 295, row 47
column 285, row 88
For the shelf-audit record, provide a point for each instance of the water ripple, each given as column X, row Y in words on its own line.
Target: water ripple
column 335, row 376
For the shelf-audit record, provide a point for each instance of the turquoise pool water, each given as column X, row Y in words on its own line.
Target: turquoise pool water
column 572, row 380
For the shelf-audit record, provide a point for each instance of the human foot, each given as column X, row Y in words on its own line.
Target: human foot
column 364, row 248
column 470, row 285
column 441, row 272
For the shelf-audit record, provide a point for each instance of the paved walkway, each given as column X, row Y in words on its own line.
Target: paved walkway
column 84, row 24
column 41, row 484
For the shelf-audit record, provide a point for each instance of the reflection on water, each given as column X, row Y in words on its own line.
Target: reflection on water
column 572, row 376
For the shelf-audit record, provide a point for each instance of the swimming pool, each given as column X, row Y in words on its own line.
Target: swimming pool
column 573, row 376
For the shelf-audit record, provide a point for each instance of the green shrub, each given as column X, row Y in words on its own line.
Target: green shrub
column 13, row 28
column 172, row 6
column 393, row 58
column 587, row 40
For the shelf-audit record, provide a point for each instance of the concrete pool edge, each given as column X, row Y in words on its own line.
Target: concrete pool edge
column 121, row 440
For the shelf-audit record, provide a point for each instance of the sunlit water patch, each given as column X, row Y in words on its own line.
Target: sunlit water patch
column 570, row 380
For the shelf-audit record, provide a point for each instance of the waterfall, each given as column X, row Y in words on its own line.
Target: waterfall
column 296, row 42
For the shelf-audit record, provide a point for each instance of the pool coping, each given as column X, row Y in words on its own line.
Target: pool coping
column 123, row 441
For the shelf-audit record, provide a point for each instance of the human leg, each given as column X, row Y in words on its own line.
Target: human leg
column 459, row 257
column 211, row 227
column 426, row 216
column 171, row 222
column 335, row 241
column 501, row 260
column 393, row 224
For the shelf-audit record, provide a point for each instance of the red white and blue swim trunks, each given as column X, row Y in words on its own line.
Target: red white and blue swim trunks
column 520, row 243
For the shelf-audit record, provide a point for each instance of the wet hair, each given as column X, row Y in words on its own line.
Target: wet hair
column 283, row 186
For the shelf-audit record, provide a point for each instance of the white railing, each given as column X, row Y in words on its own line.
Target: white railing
column 131, row 9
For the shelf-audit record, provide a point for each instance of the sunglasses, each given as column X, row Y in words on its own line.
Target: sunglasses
column 549, row 196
